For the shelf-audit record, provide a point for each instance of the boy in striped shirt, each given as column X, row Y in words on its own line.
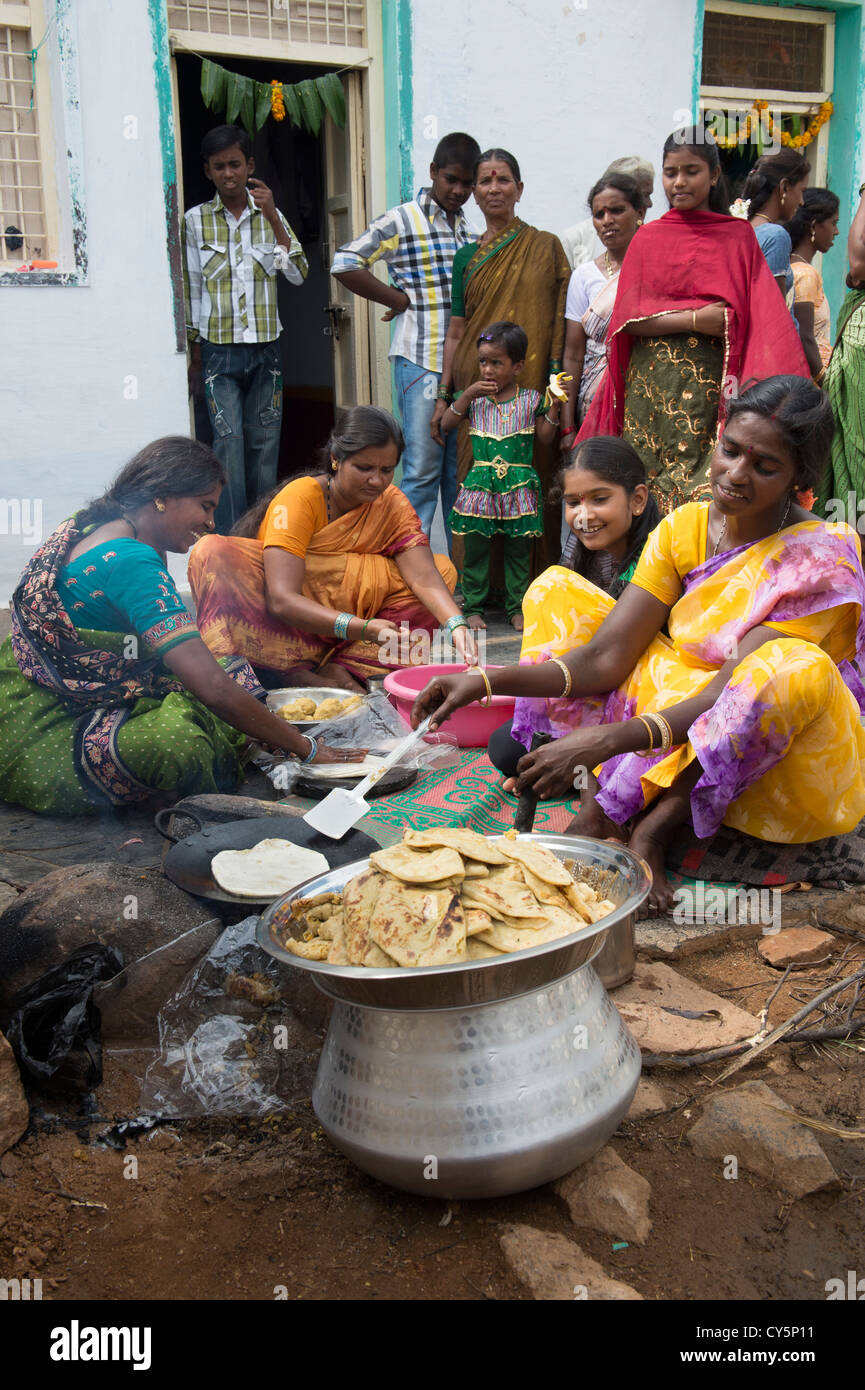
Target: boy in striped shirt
column 418, row 241
column 233, row 248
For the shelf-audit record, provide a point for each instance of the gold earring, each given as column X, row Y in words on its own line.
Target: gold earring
column 639, row 221
column 783, row 200
column 813, row 235
column 333, row 465
column 160, row 506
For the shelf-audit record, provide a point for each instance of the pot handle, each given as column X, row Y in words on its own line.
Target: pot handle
column 174, row 811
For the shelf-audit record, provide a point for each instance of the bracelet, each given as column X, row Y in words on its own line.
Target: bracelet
column 567, row 675
column 486, row 680
column 452, row 408
column 444, row 393
column 341, row 625
column 694, row 319
column 660, row 723
column 364, row 628
column 566, row 434
column 313, row 748
column 458, row 620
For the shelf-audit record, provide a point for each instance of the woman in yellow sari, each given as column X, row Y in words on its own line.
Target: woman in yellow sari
column 516, row 274
column 748, row 715
column 324, row 583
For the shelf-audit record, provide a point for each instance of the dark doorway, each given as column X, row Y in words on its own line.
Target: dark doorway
column 291, row 163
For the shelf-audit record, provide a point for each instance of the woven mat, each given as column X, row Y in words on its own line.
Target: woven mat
column 468, row 793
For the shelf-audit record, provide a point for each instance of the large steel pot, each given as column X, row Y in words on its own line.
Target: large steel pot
column 483, row 1079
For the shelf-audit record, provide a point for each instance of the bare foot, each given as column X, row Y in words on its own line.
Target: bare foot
column 517, row 622
column 475, row 621
column 662, row 893
column 331, row 674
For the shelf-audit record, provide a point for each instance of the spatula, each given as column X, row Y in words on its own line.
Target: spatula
column 341, row 809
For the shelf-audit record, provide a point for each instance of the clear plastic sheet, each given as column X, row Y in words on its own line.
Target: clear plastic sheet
column 229, row 1042
column 376, row 726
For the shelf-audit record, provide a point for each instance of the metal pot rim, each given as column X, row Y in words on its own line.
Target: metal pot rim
column 482, row 981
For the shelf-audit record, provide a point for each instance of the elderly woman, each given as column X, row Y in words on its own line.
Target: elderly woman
column 512, row 273
column 322, row 583
column 617, row 208
column 107, row 693
column 748, row 713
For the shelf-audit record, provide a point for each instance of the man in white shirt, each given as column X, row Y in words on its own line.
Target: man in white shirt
column 581, row 241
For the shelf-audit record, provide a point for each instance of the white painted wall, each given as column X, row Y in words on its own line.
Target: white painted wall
column 64, row 352
column 566, row 87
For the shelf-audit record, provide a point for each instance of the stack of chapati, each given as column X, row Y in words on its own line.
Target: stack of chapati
column 443, row 897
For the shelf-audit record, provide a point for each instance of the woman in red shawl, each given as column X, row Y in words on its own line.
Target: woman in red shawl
column 697, row 316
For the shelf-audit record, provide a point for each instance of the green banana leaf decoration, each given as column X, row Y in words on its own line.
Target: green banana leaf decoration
column 249, row 100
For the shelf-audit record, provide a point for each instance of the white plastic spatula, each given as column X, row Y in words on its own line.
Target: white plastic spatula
column 340, row 809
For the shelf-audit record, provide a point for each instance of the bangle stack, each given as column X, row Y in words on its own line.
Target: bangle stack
column 655, row 722
column 567, row 675
column 444, row 393
column 456, row 621
column 486, row 680
column 313, row 748
column 341, row 625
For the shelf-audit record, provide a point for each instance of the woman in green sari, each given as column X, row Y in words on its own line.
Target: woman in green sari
column 844, row 384
column 517, row 274
column 107, row 693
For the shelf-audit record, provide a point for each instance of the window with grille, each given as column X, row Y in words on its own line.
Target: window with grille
column 751, row 48
column 24, row 232
column 334, row 23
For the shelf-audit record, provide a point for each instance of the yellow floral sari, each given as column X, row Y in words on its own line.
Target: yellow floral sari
column 783, row 748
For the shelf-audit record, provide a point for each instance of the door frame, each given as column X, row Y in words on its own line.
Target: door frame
column 369, row 62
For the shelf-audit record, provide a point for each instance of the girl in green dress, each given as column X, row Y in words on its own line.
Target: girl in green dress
column 500, row 493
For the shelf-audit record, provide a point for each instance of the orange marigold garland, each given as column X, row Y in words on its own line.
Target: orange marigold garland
column 277, row 104
column 792, row 142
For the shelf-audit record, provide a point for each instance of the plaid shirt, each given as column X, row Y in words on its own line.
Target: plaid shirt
column 418, row 244
column 229, row 273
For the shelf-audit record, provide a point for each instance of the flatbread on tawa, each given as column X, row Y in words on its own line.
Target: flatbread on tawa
column 468, row 843
column 267, row 870
column 541, row 862
column 418, row 926
column 418, row 866
column 497, row 895
column 341, row 772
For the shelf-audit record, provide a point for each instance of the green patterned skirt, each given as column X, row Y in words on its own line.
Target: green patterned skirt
column 175, row 745
column 672, row 395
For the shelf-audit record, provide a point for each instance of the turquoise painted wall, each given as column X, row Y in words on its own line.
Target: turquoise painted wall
column 399, row 131
column 846, row 152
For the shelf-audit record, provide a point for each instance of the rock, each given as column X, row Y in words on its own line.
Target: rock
column 796, row 946
column 8, row 894
column 644, row 1004
column 606, row 1195
column 650, row 1099
column 133, row 909
column 661, row 938
column 740, row 1123
column 555, row 1268
column 14, row 1110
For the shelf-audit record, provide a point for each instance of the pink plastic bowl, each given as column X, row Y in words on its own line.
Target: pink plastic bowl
column 470, row 726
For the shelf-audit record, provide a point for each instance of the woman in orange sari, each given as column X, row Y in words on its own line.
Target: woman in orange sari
column 322, row 583
column 517, row 274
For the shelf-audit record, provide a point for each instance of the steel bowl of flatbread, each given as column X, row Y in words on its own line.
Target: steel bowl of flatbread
column 451, row 918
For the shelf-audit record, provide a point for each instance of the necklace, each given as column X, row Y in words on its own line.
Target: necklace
column 723, row 531
column 608, row 265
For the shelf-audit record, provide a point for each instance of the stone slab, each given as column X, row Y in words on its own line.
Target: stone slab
column 645, row 1003
column 797, row 946
column 554, row 1268
column 606, row 1195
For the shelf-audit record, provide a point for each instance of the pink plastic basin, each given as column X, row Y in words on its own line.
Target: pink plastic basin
column 471, row 726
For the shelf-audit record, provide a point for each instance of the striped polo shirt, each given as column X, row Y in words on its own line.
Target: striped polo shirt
column 418, row 244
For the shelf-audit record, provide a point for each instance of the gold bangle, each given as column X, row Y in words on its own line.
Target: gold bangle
column 646, row 752
column 663, row 728
column 694, row 319
column 486, row 680
column 567, row 675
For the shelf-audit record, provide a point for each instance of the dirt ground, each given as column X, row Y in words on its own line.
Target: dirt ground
column 260, row 1210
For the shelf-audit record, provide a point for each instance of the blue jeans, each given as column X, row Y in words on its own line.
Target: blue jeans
column 427, row 468
column 243, row 389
